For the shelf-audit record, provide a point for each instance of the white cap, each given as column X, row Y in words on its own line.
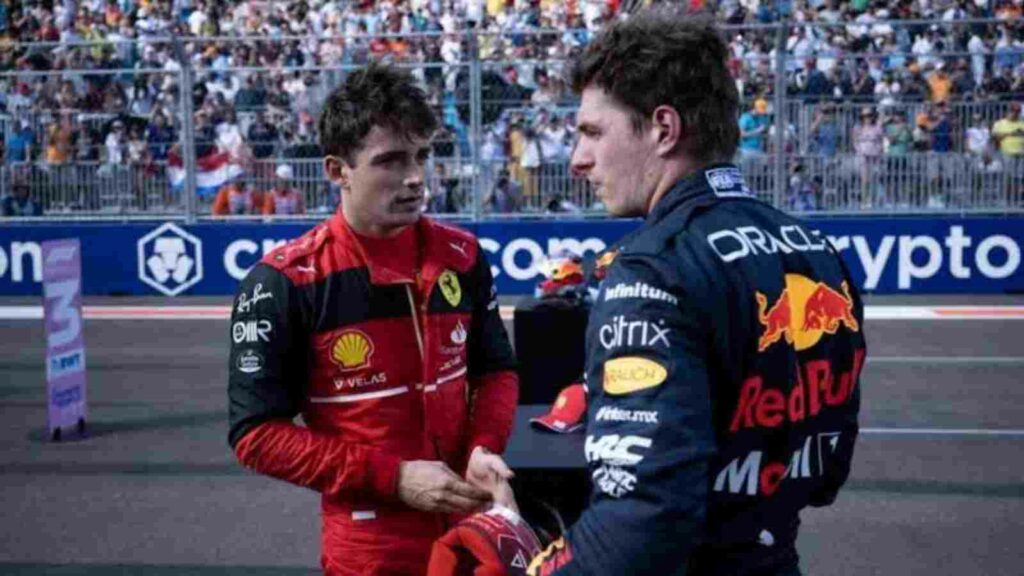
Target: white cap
column 284, row 172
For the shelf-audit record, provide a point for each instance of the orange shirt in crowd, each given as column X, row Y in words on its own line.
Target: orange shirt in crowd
column 233, row 200
column 941, row 85
column 284, row 201
column 58, row 144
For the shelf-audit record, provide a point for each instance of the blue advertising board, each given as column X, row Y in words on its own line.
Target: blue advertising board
column 885, row 255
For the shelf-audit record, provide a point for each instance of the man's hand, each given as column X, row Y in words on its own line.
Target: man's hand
column 488, row 471
column 432, row 487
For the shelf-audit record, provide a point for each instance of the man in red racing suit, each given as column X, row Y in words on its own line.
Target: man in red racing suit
column 381, row 329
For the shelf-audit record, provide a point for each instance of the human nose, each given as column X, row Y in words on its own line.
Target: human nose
column 582, row 159
column 415, row 177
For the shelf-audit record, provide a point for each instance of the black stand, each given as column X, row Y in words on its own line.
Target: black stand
column 56, row 436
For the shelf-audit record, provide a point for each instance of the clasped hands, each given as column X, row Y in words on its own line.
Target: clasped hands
column 432, row 486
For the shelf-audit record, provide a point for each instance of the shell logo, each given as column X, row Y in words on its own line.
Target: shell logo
column 352, row 350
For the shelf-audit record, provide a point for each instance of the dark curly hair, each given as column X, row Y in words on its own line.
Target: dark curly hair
column 375, row 95
column 662, row 56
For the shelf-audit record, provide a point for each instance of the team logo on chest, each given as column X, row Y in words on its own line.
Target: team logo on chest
column 448, row 282
column 352, row 350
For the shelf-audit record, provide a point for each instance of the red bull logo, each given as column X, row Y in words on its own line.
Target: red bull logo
column 804, row 312
column 603, row 262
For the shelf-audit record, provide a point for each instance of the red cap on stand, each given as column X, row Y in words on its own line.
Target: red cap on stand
column 566, row 414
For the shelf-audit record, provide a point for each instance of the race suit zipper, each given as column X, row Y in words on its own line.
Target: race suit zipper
column 416, row 324
column 419, row 342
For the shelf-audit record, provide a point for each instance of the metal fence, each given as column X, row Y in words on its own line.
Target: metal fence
column 79, row 164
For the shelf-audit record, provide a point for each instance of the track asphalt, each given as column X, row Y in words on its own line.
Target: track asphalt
column 937, row 485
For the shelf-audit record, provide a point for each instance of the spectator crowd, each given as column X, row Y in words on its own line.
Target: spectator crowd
column 99, row 83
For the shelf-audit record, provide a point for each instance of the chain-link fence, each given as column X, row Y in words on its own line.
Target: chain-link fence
column 203, row 127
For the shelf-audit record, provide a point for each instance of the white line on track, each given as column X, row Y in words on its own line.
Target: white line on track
column 944, row 431
column 217, row 312
column 945, row 359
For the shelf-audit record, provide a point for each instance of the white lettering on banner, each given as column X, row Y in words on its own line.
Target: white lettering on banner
column 639, row 290
column 901, row 261
column 16, row 263
column 873, row 267
column 231, row 257
column 491, row 247
column 985, row 265
column 63, row 312
column 244, row 245
column 508, row 258
column 922, row 256
column 909, row 268
column 615, row 449
column 245, row 303
column 508, row 255
column 18, row 252
column 612, row 414
column 956, row 242
column 271, row 245
column 251, row 331
column 632, row 333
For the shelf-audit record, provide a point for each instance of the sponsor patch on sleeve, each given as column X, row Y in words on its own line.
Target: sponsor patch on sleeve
column 632, row 373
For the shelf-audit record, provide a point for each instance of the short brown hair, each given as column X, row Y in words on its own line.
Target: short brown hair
column 662, row 56
column 375, row 95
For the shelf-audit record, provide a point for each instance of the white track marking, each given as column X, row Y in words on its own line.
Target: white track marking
column 945, row 359
column 944, row 431
column 944, row 312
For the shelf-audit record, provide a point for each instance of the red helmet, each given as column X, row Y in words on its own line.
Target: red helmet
column 493, row 543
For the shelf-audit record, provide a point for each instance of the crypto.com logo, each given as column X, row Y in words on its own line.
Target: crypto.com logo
column 170, row 259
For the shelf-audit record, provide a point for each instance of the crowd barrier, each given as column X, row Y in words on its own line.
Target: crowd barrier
column 842, row 184
column 492, row 81
column 885, row 255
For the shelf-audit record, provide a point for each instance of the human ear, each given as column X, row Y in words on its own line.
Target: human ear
column 336, row 170
column 668, row 129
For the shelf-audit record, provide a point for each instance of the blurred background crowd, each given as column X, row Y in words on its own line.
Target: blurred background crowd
column 861, row 105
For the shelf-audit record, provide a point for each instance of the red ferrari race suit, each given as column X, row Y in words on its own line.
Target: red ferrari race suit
column 382, row 367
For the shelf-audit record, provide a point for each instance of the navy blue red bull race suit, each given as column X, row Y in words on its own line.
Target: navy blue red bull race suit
column 383, row 368
column 724, row 352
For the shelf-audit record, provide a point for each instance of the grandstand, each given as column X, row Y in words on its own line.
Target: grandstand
column 155, row 108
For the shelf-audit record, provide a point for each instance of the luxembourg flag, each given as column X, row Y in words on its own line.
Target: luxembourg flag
column 212, row 171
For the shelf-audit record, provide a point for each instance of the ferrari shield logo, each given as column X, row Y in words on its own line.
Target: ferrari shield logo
column 450, row 288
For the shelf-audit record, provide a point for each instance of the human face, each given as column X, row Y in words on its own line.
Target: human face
column 612, row 156
column 383, row 187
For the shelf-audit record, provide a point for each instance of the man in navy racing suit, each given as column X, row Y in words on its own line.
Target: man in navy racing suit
column 725, row 344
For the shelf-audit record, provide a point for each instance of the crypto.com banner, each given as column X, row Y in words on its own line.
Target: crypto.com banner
column 65, row 347
column 885, row 255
